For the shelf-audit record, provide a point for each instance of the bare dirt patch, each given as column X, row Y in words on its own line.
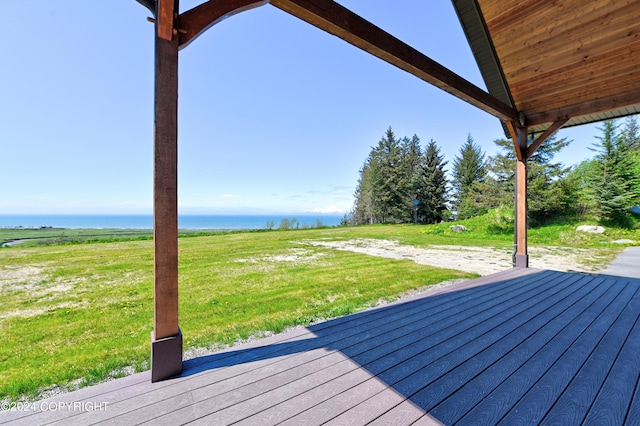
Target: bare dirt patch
column 479, row 260
column 26, row 313
column 294, row 255
column 14, row 276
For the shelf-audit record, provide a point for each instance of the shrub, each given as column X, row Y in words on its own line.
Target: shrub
column 500, row 221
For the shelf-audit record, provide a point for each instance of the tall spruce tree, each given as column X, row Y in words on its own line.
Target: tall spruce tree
column 468, row 168
column 364, row 209
column 413, row 157
column 432, row 190
column 550, row 194
column 388, row 190
column 630, row 135
column 631, row 138
column 611, row 186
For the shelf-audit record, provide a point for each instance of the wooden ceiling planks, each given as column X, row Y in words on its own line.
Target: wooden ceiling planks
column 592, row 108
column 567, row 58
column 623, row 59
column 557, row 47
column 612, row 84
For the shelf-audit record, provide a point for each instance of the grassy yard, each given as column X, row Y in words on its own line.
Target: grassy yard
column 37, row 237
column 81, row 313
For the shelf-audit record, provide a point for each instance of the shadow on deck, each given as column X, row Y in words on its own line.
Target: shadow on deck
column 521, row 346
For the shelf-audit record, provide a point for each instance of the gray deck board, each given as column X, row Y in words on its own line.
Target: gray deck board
column 586, row 383
column 511, row 351
column 521, row 346
column 405, row 413
column 486, row 378
column 617, row 392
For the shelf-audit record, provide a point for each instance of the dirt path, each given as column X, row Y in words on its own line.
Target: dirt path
column 481, row 260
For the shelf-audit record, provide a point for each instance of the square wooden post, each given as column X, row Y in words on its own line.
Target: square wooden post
column 166, row 339
column 521, row 255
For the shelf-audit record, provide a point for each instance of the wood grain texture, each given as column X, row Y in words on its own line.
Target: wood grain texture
column 617, row 392
column 522, row 208
column 487, row 381
column 563, row 58
column 495, row 405
column 165, row 189
column 584, row 387
column 540, row 398
column 518, row 338
column 165, row 10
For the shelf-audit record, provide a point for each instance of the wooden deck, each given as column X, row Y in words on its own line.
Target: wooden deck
column 518, row 347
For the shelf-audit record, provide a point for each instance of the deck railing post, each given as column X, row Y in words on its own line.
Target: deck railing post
column 166, row 339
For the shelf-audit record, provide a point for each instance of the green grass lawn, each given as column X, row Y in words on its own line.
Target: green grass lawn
column 81, row 313
column 37, row 237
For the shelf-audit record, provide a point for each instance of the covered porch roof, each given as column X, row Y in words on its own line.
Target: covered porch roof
column 562, row 60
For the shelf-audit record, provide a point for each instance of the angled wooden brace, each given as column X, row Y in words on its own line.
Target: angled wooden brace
column 531, row 149
column 196, row 21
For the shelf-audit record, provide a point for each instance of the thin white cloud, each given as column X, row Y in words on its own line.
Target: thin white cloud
column 330, row 210
column 230, row 196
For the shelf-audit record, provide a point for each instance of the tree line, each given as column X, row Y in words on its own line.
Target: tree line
column 402, row 182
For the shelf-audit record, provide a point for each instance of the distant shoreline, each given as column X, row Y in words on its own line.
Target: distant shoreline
column 192, row 222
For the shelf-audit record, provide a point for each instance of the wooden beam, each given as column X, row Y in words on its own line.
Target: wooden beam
column 166, row 189
column 166, row 339
column 165, row 10
column 521, row 258
column 199, row 19
column 343, row 23
column 544, row 136
column 609, row 103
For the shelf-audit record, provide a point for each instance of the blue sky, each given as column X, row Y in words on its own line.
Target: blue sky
column 276, row 116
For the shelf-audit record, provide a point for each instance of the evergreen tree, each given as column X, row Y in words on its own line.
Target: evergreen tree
column 549, row 193
column 630, row 142
column 468, row 168
column 388, row 191
column 380, row 193
column 432, row 189
column 498, row 187
column 582, row 175
column 364, row 210
column 614, row 175
column 630, row 135
column 413, row 157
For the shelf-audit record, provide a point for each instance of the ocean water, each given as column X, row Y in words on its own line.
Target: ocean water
column 146, row 221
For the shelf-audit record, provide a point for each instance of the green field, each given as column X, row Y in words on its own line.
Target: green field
column 44, row 236
column 76, row 313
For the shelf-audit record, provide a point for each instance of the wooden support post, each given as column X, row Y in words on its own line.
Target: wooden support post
column 521, row 255
column 166, row 339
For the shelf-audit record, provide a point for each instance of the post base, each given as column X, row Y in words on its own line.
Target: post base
column 166, row 357
column 521, row 261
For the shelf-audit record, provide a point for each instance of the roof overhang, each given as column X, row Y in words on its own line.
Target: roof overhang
column 568, row 60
